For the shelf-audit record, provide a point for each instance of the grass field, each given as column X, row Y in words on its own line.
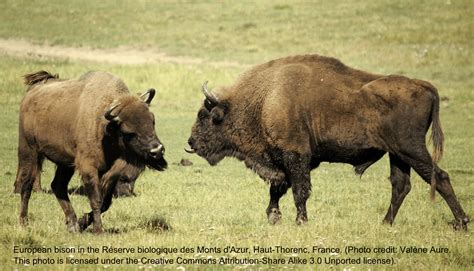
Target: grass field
column 225, row 205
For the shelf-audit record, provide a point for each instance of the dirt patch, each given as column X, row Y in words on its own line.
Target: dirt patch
column 120, row 55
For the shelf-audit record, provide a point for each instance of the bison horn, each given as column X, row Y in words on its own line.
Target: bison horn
column 110, row 116
column 209, row 94
column 148, row 96
column 189, row 150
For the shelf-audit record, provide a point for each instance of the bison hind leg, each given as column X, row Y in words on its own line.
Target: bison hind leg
column 420, row 160
column 36, row 182
column 400, row 179
column 444, row 187
column 297, row 169
column 28, row 164
column 59, row 187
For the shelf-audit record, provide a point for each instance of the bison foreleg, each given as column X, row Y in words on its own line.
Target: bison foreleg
column 107, row 192
column 88, row 218
column 108, row 184
column 276, row 192
column 400, row 179
column 90, row 177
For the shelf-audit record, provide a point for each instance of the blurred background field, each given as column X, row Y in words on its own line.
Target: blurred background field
column 180, row 44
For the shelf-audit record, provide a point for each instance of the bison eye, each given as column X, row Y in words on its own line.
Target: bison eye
column 202, row 114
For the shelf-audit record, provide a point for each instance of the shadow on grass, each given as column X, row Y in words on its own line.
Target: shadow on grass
column 106, row 231
column 155, row 224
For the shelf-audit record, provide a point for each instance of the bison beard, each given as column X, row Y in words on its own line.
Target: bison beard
column 283, row 118
column 100, row 130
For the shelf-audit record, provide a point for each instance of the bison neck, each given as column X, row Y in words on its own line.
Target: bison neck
column 262, row 164
column 246, row 137
column 114, row 149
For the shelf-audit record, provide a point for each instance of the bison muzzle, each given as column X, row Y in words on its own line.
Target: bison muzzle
column 283, row 118
column 92, row 125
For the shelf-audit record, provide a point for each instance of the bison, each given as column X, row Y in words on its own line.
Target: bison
column 283, row 118
column 92, row 125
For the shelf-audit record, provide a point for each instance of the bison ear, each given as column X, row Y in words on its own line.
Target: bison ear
column 217, row 115
column 148, row 96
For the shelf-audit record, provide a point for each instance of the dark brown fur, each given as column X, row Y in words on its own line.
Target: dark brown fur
column 91, row 124
column 285, row 117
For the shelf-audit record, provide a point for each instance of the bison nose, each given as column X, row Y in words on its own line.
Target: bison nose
column 158, row 150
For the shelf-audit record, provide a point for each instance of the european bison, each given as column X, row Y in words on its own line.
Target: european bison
column 283, row 118
column 92, row 124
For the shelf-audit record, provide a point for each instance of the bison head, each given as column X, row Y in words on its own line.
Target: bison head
column 135, row 126
column 209, row 137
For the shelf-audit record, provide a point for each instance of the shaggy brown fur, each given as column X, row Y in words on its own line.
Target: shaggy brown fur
column 91, row 124
column 283, row 118
column 125, row 185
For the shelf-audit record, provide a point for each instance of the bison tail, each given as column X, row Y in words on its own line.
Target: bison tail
column 437, row 138
column 37, row 77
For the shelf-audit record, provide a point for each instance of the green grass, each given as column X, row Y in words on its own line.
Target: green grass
column 225, row 205
column 250, row 32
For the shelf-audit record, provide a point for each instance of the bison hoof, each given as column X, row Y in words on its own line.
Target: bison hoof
column 73, row 227
column 300, row 220
column 274, row 216
column 461, row 224
column 98, row 230
column 24, row 221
